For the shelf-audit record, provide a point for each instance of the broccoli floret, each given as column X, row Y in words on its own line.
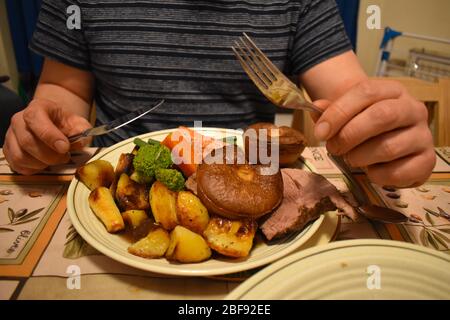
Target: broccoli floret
column 173, row 179
column 149, row 158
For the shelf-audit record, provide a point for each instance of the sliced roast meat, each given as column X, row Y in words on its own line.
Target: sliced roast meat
column 312, row 182
column 191, row 183
column 297, row 209
column 306, row 196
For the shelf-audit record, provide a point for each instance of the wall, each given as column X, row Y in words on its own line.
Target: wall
column 7, row 58
column 431, row 17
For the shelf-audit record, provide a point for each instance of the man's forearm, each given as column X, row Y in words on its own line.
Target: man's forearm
column 332, row 78
column 70, row 88
column 64, row 98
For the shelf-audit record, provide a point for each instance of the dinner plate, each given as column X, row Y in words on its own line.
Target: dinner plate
column 327, row 232
column 353, row 269
column 115, row 246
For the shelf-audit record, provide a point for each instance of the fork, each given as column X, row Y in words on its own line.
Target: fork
column 278, row 88
column 115, row 124
column 284, row 93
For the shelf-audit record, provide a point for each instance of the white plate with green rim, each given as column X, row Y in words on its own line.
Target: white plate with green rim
column 115, row 246
column 353, row 269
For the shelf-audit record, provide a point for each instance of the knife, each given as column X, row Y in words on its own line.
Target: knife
column 115, row 124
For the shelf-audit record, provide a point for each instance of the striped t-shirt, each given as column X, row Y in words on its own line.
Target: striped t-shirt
column 141, row 51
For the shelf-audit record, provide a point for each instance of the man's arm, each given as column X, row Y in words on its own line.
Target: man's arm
column 374, row 124
column 332, row 78
column 71, row 88
column 37, row 136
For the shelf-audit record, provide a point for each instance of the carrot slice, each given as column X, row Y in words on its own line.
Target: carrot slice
column 187, row 148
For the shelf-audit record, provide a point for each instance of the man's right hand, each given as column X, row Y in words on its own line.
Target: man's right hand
column 37, row 137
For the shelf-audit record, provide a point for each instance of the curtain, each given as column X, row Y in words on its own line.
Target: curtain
column 349, row 11
column 22, row 15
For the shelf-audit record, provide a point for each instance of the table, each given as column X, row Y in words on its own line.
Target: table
column 41, row 254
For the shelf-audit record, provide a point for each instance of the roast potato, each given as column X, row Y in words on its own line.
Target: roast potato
column 231, row 238
column 134, row 218
column 124, row 165
column 163, row 202
column 135, row 150
column 131, row 195
column 187, row 246
column 191, row 213
column 154, row 245
column 139, row 178
column 104, row 207
column 98, row 173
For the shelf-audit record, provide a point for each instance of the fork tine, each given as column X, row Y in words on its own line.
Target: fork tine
column 256, row 58
column 253, row 63
column 268, row 78
column 273, row 69
column 249, row 69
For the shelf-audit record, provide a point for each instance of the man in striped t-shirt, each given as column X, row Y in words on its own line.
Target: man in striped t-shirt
column 125, row 54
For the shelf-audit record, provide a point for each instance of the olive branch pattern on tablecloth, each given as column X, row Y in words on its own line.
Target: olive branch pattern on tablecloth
column 434, row 235
column 19, row 217
column 76, row 247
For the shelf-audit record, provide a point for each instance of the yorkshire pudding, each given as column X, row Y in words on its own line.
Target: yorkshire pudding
column 237, row 191
column 229, row 154
column 291, row 142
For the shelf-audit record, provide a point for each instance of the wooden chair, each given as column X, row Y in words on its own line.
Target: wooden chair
column 435, row 95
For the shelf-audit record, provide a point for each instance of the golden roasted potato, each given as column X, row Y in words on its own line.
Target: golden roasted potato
column 163, row 203
column 187, row 246
column 113, row 186
column 135, row 150
column 137, row 177
column 191, row 213
column 154, row 245
column 124, row 165
column 232, row 238
column 98, row 173
column 104, row 207
column 131, row 195
column 134, row 218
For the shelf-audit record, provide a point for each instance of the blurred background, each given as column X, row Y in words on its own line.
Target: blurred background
column 418, row 47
